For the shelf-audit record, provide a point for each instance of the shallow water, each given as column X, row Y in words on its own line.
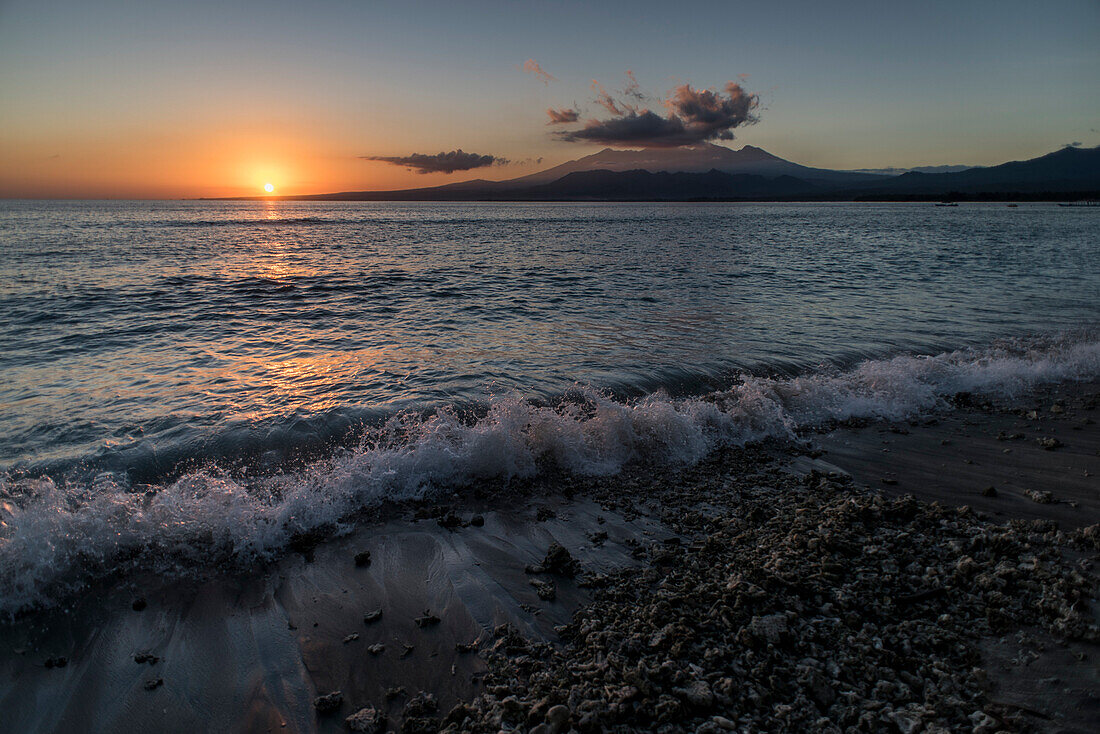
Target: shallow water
column 197, row 381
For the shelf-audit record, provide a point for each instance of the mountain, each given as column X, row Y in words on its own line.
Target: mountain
column 714, row 172
column 892, row 171
column 692, row 159
column 1068, row 169
column 645, row 185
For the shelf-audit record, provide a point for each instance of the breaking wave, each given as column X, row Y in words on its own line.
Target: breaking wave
column 56, row 536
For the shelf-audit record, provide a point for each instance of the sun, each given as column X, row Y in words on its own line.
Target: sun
column 269, row 187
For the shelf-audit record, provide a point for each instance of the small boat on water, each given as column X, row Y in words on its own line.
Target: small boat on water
column 1012, row 206
column 947, row 203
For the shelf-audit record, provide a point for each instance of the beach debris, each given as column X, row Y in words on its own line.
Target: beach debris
column 153, row 683
column 427, row 620
column 477, row 521
column 329, row 702
column 465, row 647
column 395, row 692
column 458, row 714
column 545, row 589
column 989, row 491
column 376, row 649
column 921, row 596
column 406, row 650
column 697, row 694
column 56, row 662
column 558, row 561
column 139, row 604
column 557, row 718
column 367, row 719
column 422, row 704
column 889, row 481
column 1059, row 406
column 372, row 617
column 1002, row 436
column 1041, row 496
column 362, row 559
column 1049, row 443
column 144, row 657
column 419, row 714
column 789, row 607
column 545, row 513
column 769, row 627
column 598, row 538
column 351, row 638
column 450, row 520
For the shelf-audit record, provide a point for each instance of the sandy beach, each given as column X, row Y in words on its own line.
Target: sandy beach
column 933, row 575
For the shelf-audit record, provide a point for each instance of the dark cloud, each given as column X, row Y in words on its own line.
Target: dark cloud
column 711, row 115
column 694, row 116
column 456, row 160
column 645, row 129
column 562, row 116
column 532, row 67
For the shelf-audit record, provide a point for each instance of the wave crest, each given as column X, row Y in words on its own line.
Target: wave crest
column 57, row 536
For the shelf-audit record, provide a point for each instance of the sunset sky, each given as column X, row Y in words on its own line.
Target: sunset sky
column 160, row 99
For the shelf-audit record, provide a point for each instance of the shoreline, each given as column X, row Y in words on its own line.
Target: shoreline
column 243, row 654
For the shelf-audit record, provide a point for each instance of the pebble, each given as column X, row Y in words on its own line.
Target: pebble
column 428, row 620
column 545, row 589
column 329, row 702
column 367, row 719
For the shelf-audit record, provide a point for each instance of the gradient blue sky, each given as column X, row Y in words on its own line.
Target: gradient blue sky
column 213, row 98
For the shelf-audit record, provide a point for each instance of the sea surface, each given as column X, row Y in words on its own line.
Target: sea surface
column 192, row 383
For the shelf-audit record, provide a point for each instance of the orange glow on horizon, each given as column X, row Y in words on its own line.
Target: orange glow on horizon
column 237, row 161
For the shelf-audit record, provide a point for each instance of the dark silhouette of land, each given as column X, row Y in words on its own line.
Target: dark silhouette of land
column 714, row 173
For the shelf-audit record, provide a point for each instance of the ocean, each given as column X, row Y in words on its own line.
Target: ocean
column 192, row 384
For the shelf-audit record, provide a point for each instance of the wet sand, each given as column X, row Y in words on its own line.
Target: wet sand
column 252, row 653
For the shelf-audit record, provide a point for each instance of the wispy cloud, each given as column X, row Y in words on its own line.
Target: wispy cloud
column 632, row 88
column 562, row 116
column 605, row 100
column 532, row 67
column 456, row 160
column 692, row 116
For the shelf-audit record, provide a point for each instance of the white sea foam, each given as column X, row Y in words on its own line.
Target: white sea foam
column 55, row 537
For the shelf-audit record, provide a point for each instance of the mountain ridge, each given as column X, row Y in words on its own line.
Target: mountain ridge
column 751, row 174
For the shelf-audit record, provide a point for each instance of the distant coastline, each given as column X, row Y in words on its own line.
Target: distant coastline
column 711, row 173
